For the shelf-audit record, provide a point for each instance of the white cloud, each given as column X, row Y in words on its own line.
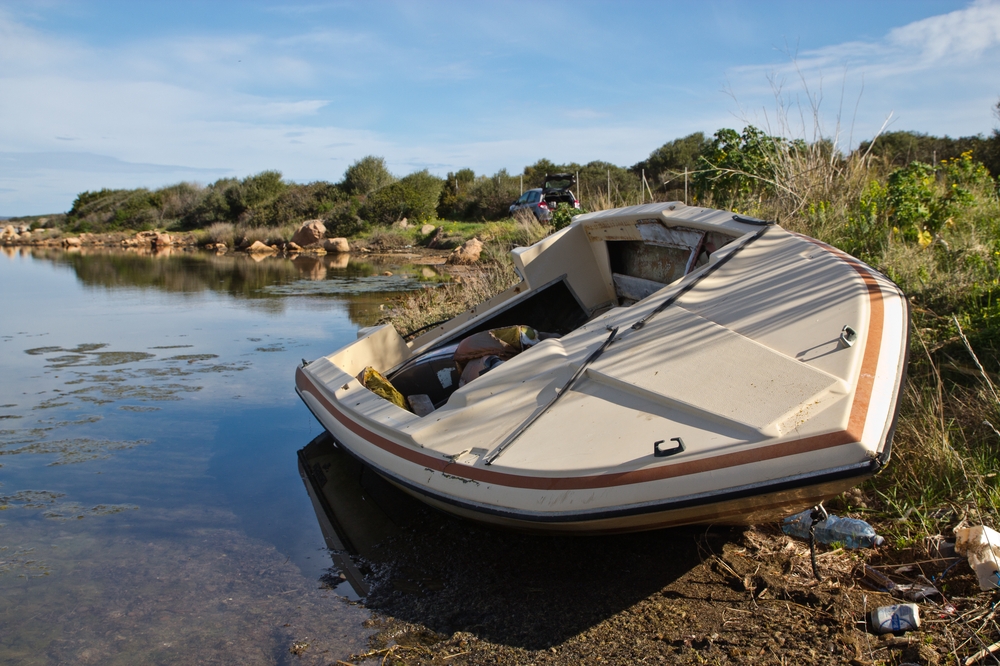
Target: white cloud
column 941, row 67
column 955, row 36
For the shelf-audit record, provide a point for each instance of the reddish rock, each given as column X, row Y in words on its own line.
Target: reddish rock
column 259, row 248
column 467, row 253
column 337, row 245
column 311, row 231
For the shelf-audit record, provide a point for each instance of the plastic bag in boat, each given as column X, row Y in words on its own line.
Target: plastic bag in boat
column 382, row 387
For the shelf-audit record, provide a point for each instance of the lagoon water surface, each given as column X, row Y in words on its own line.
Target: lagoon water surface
column 151, row 509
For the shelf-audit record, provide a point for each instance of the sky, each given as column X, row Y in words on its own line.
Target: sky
column 147, row 94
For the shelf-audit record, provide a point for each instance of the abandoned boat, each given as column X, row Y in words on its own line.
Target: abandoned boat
column 658, row 365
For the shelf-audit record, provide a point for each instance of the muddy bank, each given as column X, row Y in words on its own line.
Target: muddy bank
column 448, row 591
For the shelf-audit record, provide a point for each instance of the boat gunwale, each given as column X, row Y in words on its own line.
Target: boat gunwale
column 859, row 471
column 851, row 435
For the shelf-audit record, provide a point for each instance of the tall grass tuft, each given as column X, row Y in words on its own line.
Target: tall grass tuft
column 419, row 310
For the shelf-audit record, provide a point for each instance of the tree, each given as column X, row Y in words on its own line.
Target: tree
column 673, row 157
column 901, row 148
column 414, row 197
column 366, row 176
column 456, row 194
column 534, row 175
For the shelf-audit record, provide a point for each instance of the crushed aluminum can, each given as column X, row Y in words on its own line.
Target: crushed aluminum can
column 894, row 619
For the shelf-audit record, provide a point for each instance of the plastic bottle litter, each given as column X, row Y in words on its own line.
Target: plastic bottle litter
column 982, row 546
column 851, row 532
column 893, row 619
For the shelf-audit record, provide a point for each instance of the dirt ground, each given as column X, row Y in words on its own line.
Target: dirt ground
column 446, row 591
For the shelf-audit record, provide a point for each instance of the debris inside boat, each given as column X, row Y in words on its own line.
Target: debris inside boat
column 657, row 365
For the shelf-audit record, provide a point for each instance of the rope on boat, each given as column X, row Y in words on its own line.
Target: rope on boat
column 559, row 393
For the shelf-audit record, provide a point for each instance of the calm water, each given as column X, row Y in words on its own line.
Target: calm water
column 151, row 509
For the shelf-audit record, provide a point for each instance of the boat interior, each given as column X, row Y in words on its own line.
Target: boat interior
column 587, row 269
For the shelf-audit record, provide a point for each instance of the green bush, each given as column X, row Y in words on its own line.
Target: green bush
column 866, row 232
column 414, row 197
column 456, row 197
column 665, row 163
column 297, row 203
column 343, row 219
column 740, row 168
column 922, row 198
column 563, row 215
column 254, row 193
column 366, row 176
column 491, row 196
column 114, row 210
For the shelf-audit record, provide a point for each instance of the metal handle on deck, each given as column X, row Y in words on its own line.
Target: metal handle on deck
column 848, row 336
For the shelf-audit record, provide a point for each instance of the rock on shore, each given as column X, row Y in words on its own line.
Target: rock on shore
column 467, row 253
column 336, row 245
column 311, row 231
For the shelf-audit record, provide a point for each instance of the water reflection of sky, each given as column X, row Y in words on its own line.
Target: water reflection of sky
column 152, row 509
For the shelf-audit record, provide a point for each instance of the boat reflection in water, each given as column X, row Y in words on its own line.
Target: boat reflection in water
column 356, row 508
column 418, row 565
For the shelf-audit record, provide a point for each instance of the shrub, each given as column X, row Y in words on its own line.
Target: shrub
column 177, row 201
column 456, row 198
column 221, row 232
column 113, row 210
column 343, row 218
column 739, row 168
column 665, row 163
column 491, row 196
column 563, row 215
column 297, row 203
column 366, row 176
column 384, row 240
column 414, row 197
column 922, row 198
column 253, row 194
column 866, row 233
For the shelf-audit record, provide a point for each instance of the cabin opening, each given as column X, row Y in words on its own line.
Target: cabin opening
column 551, row 310
column 640, row 268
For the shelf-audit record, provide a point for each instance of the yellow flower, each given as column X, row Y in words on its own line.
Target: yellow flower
column 925, row 238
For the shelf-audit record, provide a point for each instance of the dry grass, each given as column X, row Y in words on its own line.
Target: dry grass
column 418, row 310
column 236, row 234
column 221, row 232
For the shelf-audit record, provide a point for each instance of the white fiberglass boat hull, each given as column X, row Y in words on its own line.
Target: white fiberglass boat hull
column 763, row 380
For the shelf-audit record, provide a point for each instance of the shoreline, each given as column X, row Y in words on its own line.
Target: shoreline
column 152, row 243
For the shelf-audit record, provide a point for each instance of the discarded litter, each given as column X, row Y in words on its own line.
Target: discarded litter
column 982, row 546
column 938, row 546
column 850, row 532
column 894, row 619
column 878, row 581
column 875, row 579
